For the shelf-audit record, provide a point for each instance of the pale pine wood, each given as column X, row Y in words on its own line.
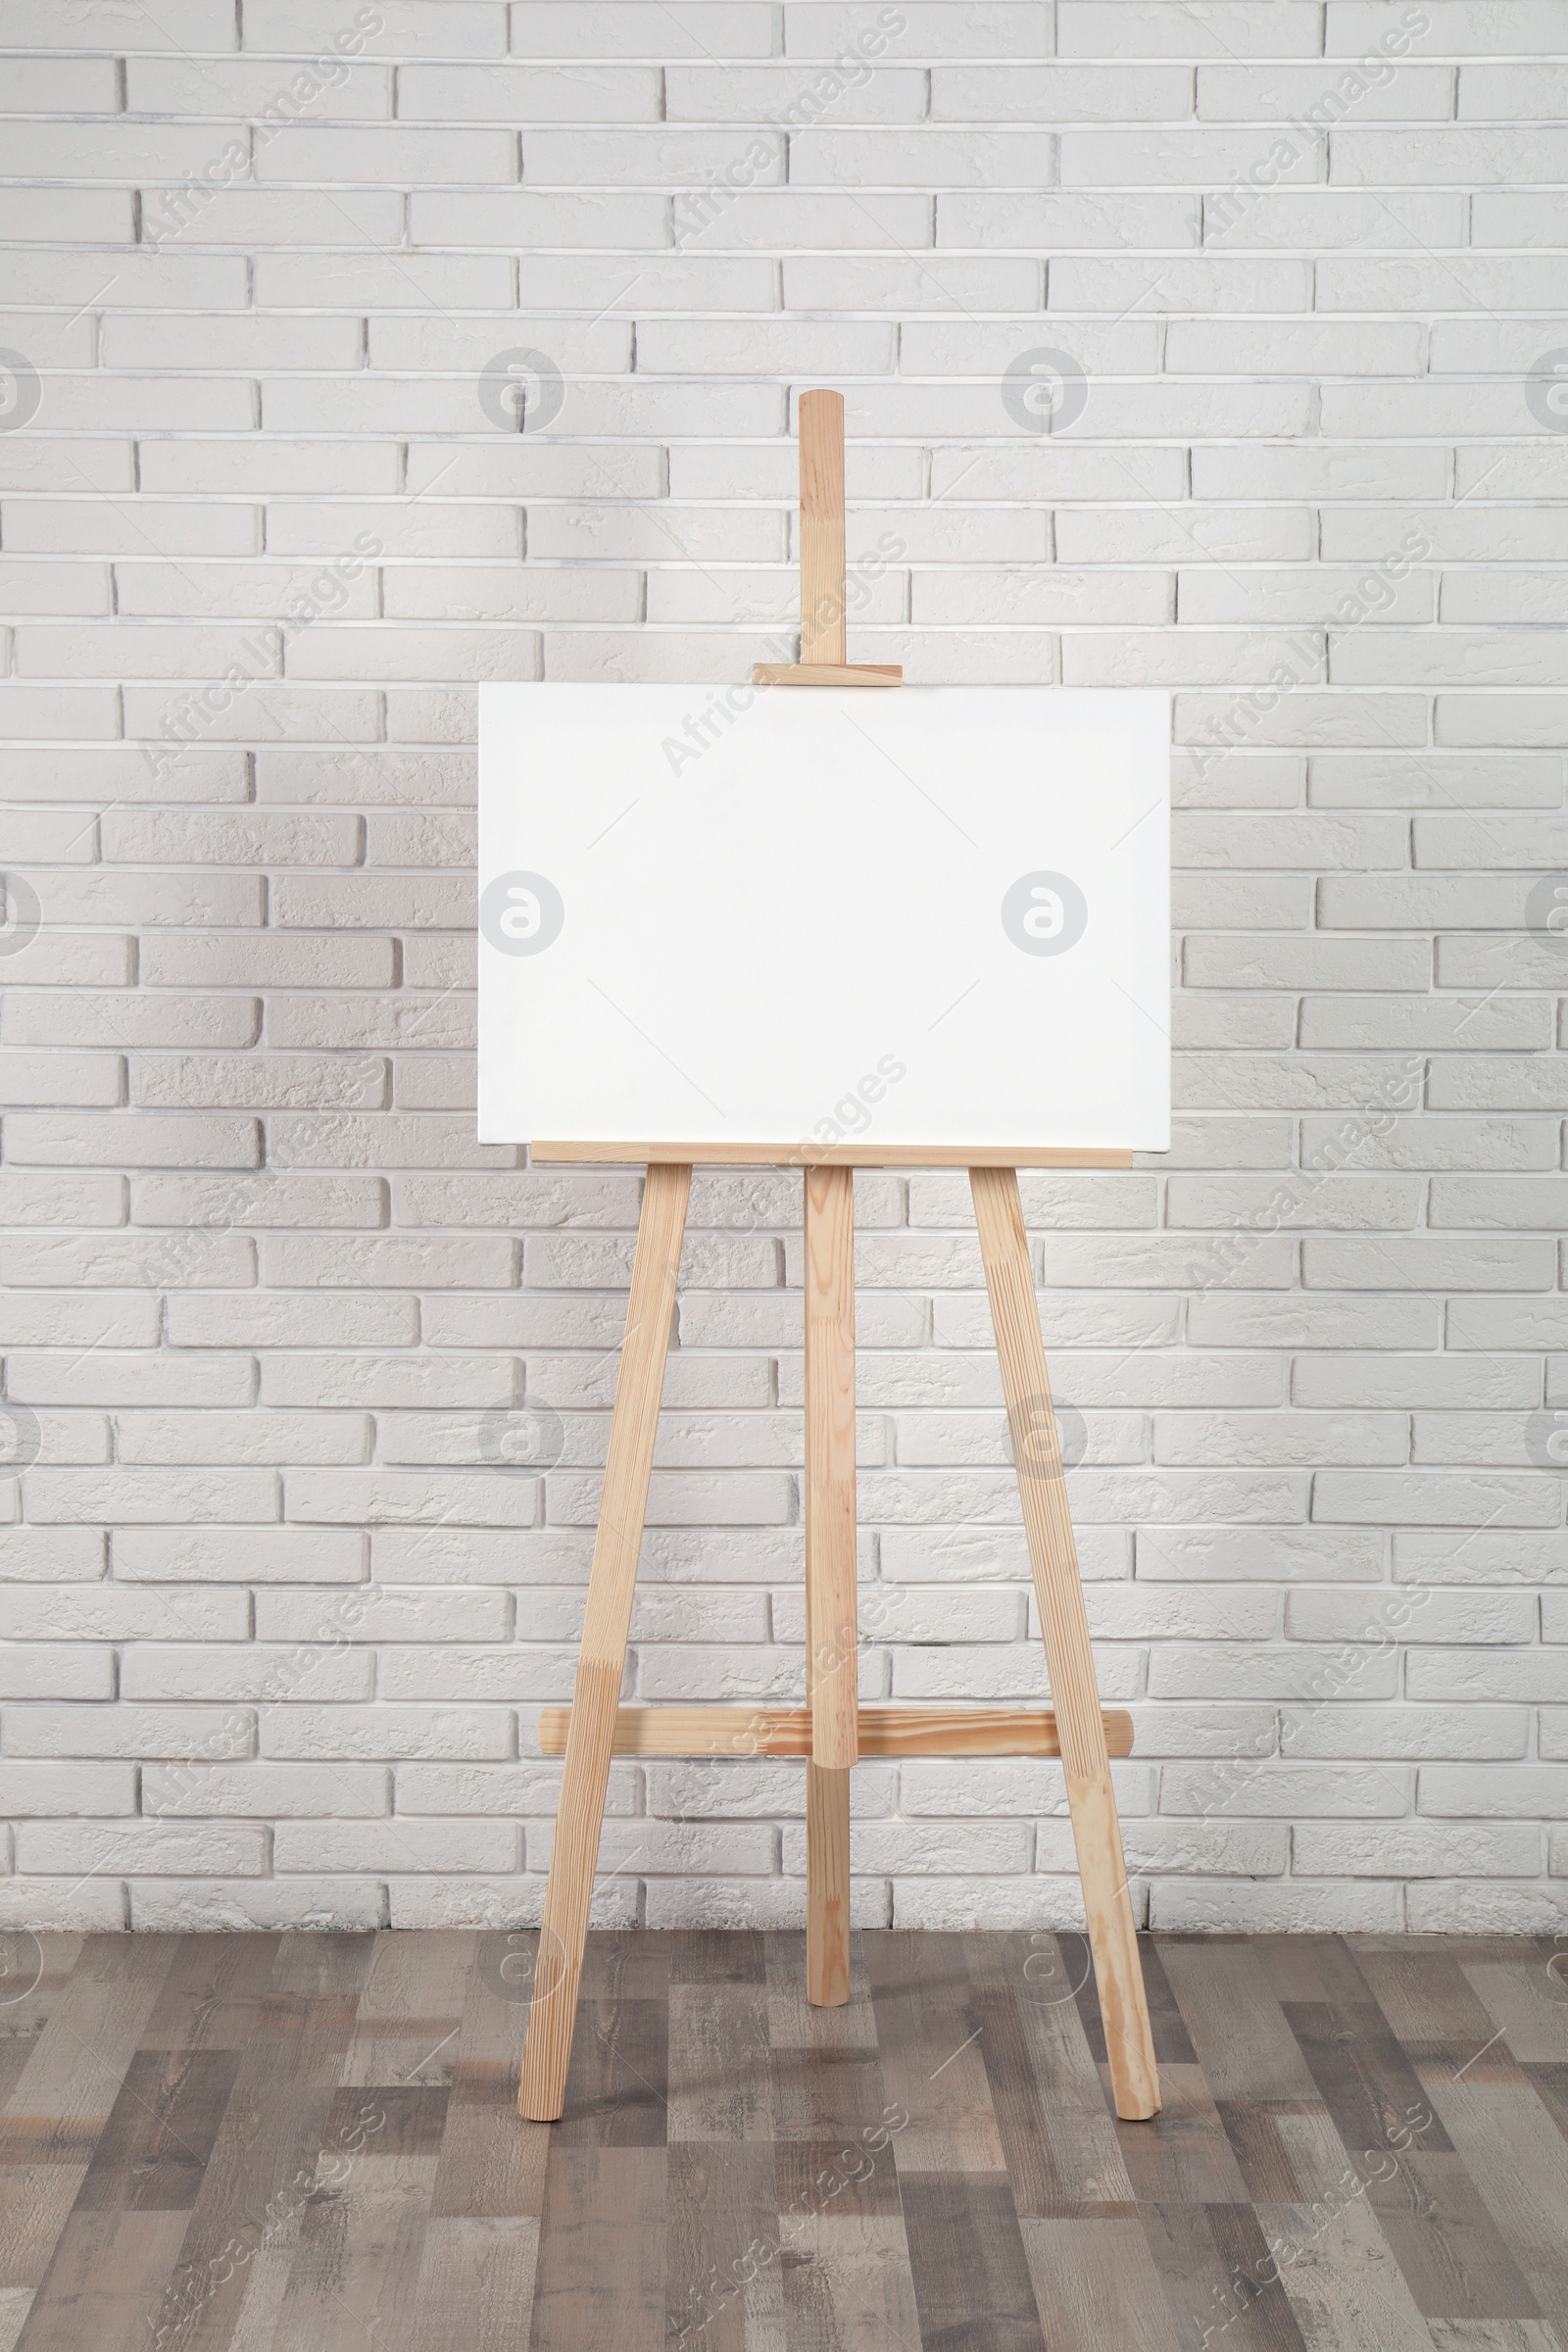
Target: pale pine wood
column 1064, row 1626
column 603, row 1656
column 823, row 596
column 748, row 1732
column 826, row 673
column 828, row 1887
column 829, row 1732
column 840, row 1156
column 831, row 1636
column 832, row 1653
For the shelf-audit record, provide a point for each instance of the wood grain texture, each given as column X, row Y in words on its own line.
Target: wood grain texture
column 823, row 595
column 1065, row 1629
column 936, row 2166
column 882, row 1730
column 621, row 1154
column 601, row 2275
column 832, row 1649
column 826, row 673
column 827, row 1876
column 602, row 1659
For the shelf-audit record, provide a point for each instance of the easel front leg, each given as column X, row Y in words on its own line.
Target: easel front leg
column 601, row 1662
column 1064, row 1626
column 832, row 1655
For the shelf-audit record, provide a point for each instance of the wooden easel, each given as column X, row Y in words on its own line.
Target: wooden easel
column 832, row 1729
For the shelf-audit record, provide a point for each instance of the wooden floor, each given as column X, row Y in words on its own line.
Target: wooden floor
column 307, row 2142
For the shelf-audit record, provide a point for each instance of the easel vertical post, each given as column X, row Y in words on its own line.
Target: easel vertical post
column 832, row 1651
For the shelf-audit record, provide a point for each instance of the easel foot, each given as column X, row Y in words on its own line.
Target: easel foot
column 827, row 1902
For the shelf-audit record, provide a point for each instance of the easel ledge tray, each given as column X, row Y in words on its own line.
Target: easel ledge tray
column 840, row 1156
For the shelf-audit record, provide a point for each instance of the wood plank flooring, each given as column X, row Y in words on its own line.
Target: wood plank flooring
column 308, row 2143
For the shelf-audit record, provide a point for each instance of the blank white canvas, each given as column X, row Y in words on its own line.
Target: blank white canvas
column 796, row 916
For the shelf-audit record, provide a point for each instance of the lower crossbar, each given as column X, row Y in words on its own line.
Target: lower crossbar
column 787, row 1731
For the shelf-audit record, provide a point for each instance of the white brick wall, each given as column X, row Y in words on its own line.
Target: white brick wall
column 277, row 1615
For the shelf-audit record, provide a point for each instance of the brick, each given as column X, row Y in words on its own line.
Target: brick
column 937, row 284
column 357, row 1792
column 337, row 1846
column 257, row 1555
column 187, row 24
column 1221, row 1318
column 1253, row 1440
column 147, row 1377
column 1434, row 1499
column 1228, row 282
column 164, row 1141
column 207, row 1735
column 51, row 85
column 1520, row 1675
column 1496, row 1383
column 1285, row 1555
column 143, row 1846
column 1489, row 1617
column 147, row 1496
column 1112, row 29
column 60, row 1079
column 81, row 1017
column 52, row 1791
column 1412, row 1262
column 78, row 1905
column 306, row 1674
column 1416, row 1850
column 57, row 1199
column 384, row 1734
column 1271, row 1785
column 246, row 87
column 405, row 29
column 226, row 1906
column 63, row 1318
column 273, row 1440
column 1475, row 1793
column 57, row 1670
column 1423, row 1023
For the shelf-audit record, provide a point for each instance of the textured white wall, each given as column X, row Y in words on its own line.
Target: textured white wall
column 278, row 1616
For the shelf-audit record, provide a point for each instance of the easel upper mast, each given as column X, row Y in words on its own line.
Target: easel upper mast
column 824, row 583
